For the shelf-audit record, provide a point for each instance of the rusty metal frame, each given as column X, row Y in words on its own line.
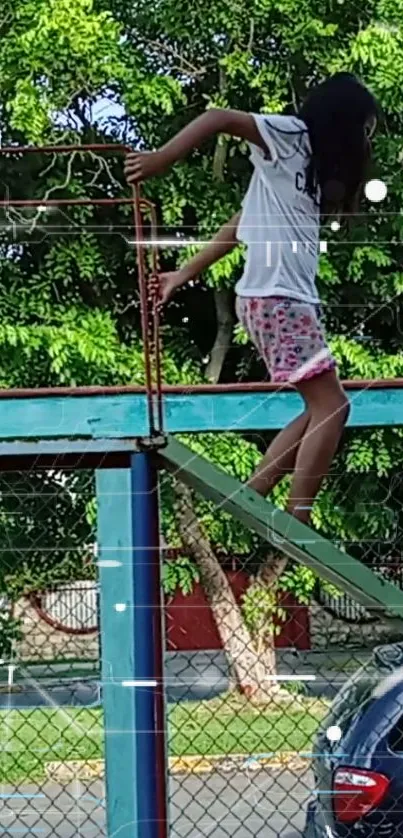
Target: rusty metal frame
column 149, row 311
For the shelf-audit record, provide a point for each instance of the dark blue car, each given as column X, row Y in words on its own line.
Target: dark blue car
column 358, row 755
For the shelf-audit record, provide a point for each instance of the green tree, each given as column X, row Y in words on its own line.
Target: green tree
column 68, row 299
column 68, row 294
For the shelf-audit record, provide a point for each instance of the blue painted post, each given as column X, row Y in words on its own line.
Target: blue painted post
column 116, row 577
column 132, row 643
column 149, row 647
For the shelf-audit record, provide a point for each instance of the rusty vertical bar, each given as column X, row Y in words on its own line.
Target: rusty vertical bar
column 138, row 226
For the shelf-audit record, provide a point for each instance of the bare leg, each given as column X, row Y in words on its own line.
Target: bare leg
column 280, row 457
column 329, row 409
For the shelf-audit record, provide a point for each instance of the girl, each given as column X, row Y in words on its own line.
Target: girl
column 305, row 167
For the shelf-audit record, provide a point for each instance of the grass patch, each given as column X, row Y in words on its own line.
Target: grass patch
column 234, row 726
column 30, row 738
column 227, row 725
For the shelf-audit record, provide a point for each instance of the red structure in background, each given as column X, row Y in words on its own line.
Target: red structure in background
column 189, row 620
column 190, row 624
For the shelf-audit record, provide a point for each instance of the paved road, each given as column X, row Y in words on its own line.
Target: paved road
column 262, row 804
column 201, row 675
column 190, row 676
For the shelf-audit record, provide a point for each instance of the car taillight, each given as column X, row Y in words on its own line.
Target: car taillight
column 356, row 792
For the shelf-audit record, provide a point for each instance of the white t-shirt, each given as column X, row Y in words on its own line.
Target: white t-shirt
column 280, row 221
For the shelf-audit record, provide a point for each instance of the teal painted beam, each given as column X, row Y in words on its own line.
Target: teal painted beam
column 284, row 532
column 115, row 552
column 120, row 416
column 55, row 447
column 71, row 453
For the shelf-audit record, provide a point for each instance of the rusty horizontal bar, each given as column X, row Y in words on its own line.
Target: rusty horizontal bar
column 68, row 202
column 65, row 149
column 189, row 389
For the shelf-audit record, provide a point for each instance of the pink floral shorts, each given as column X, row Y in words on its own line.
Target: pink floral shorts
column 288, row 335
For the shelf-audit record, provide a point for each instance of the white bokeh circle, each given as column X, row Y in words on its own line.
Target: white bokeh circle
column 376, row 190
column 335, row 226
column 334, row 733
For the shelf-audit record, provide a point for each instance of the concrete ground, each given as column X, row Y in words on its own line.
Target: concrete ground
column 260, row 804
column 53, row 810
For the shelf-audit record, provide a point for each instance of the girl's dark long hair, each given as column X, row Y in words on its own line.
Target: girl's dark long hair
column 336, row 114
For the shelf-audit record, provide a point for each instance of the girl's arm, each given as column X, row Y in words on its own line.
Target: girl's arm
column 142, row 165
column 223, row 242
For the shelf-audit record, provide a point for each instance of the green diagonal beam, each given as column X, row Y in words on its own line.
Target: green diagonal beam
column 284, row 532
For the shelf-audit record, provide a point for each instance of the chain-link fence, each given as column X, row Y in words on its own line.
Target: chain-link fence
column 51, row 721
column 253, row 667
column 256, row 662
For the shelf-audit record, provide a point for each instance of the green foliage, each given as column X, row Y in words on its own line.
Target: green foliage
column 45, row 535
column 179, row 574
column 230, row 450
column 68, row 297
column 301, row 582
column 262, row 614
column 240, row 335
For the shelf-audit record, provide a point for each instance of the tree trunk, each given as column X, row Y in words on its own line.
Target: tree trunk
column 222, row 342
column 268, row 577
column 272, row 569
column 254, row 673
column 222, row 296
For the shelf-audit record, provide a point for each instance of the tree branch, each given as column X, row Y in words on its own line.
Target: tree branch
column 222, row 342
column 222, row 297
column 251, row 35
column 185, row 65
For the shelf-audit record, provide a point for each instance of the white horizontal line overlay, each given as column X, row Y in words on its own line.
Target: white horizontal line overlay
column 146, row 683
column 109, row 563
column 167, row 242
column 290, row 678
column 323, row 245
